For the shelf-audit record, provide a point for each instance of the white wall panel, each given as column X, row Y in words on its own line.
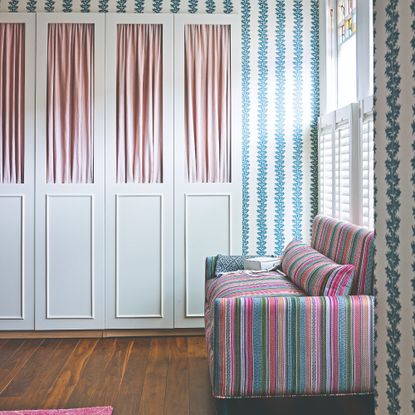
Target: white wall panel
column 17, row 209
column 12, row 257
column 69, row 256
column 208, row 216
column 139, row 216
column 208, row 232
column 139, row 266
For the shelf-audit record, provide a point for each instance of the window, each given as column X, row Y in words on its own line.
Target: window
column 347, row 46
column 346, row 124
column 346, row 52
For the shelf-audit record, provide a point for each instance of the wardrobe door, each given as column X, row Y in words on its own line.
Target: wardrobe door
column 139, row 171
column 207, row 159
column 70, row 171
column 17, row 62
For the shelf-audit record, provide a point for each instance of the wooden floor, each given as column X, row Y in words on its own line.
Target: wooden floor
column 137, row 376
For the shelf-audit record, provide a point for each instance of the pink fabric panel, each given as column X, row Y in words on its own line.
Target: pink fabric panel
column 99, row 410
column 12, row 86
column 207, row 103
column 140, row 103
column 70, row 109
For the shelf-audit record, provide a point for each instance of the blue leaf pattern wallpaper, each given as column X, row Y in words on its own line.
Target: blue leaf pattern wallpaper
column 280, row 105
column 394, row 106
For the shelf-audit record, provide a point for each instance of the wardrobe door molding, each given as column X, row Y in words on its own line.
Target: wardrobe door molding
column 17, row 207
column 70, row 212
column 139, row 216
column 208, row 216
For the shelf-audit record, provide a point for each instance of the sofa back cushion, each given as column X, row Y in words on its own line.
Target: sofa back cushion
column 346, row 243
column 315, row 273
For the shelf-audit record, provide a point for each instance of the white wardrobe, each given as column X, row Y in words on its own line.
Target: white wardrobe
column 130, row 175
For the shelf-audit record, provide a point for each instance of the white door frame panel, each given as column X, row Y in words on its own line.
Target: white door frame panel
column 159, row 283
column 23, row 194
column 84, row 200
column 215, row 194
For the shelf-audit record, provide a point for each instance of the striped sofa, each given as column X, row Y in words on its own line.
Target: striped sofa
column 266, row 337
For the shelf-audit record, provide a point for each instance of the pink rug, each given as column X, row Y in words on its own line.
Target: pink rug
column 99, row 410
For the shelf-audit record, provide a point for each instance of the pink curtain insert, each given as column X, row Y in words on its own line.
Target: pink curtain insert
column 207, row 103
column 12, row 102
column 140, row 103
column 70, row 109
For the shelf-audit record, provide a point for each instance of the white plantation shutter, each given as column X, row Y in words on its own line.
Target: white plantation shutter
column 339, row 164
column 326, row 171
column 367, row 171
column 342, row 150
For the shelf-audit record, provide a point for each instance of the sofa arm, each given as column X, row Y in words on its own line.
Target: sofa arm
column 275, row 346
column 210, row 267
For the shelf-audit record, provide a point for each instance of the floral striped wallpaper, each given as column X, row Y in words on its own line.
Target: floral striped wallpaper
column 395, row 205
column 280, row 105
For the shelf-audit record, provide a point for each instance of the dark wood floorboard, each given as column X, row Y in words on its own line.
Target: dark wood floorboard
column 25, row 382
column 137, row 376
column 154, row 388
column 30, row 386
column 177, row 382
column 200, row 402
column 129, row 397
column 7, row 349
column 16, row 362
column 71, row 374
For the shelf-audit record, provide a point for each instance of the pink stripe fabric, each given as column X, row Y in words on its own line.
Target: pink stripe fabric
column 315, row 273
column 242, row 285
column 12, row 102
column 346, row 243
column 276, row 346
column 99, row 410
column 245, row 285
column 70, row 103
column 268, row 339
column 207, row 110
column 139, row 103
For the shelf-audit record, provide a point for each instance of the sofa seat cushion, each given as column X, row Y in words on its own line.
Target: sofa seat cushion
column 250, row 285
column 314, row 272
column 267, row 284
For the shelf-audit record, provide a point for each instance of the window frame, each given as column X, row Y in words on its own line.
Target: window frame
column 365, row 113
column 329, row 52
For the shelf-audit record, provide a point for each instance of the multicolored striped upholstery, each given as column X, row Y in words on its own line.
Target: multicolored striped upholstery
column 247, row 285
column 270, row 284
column 315, row 273
column 276, row 346
column 346, row 243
